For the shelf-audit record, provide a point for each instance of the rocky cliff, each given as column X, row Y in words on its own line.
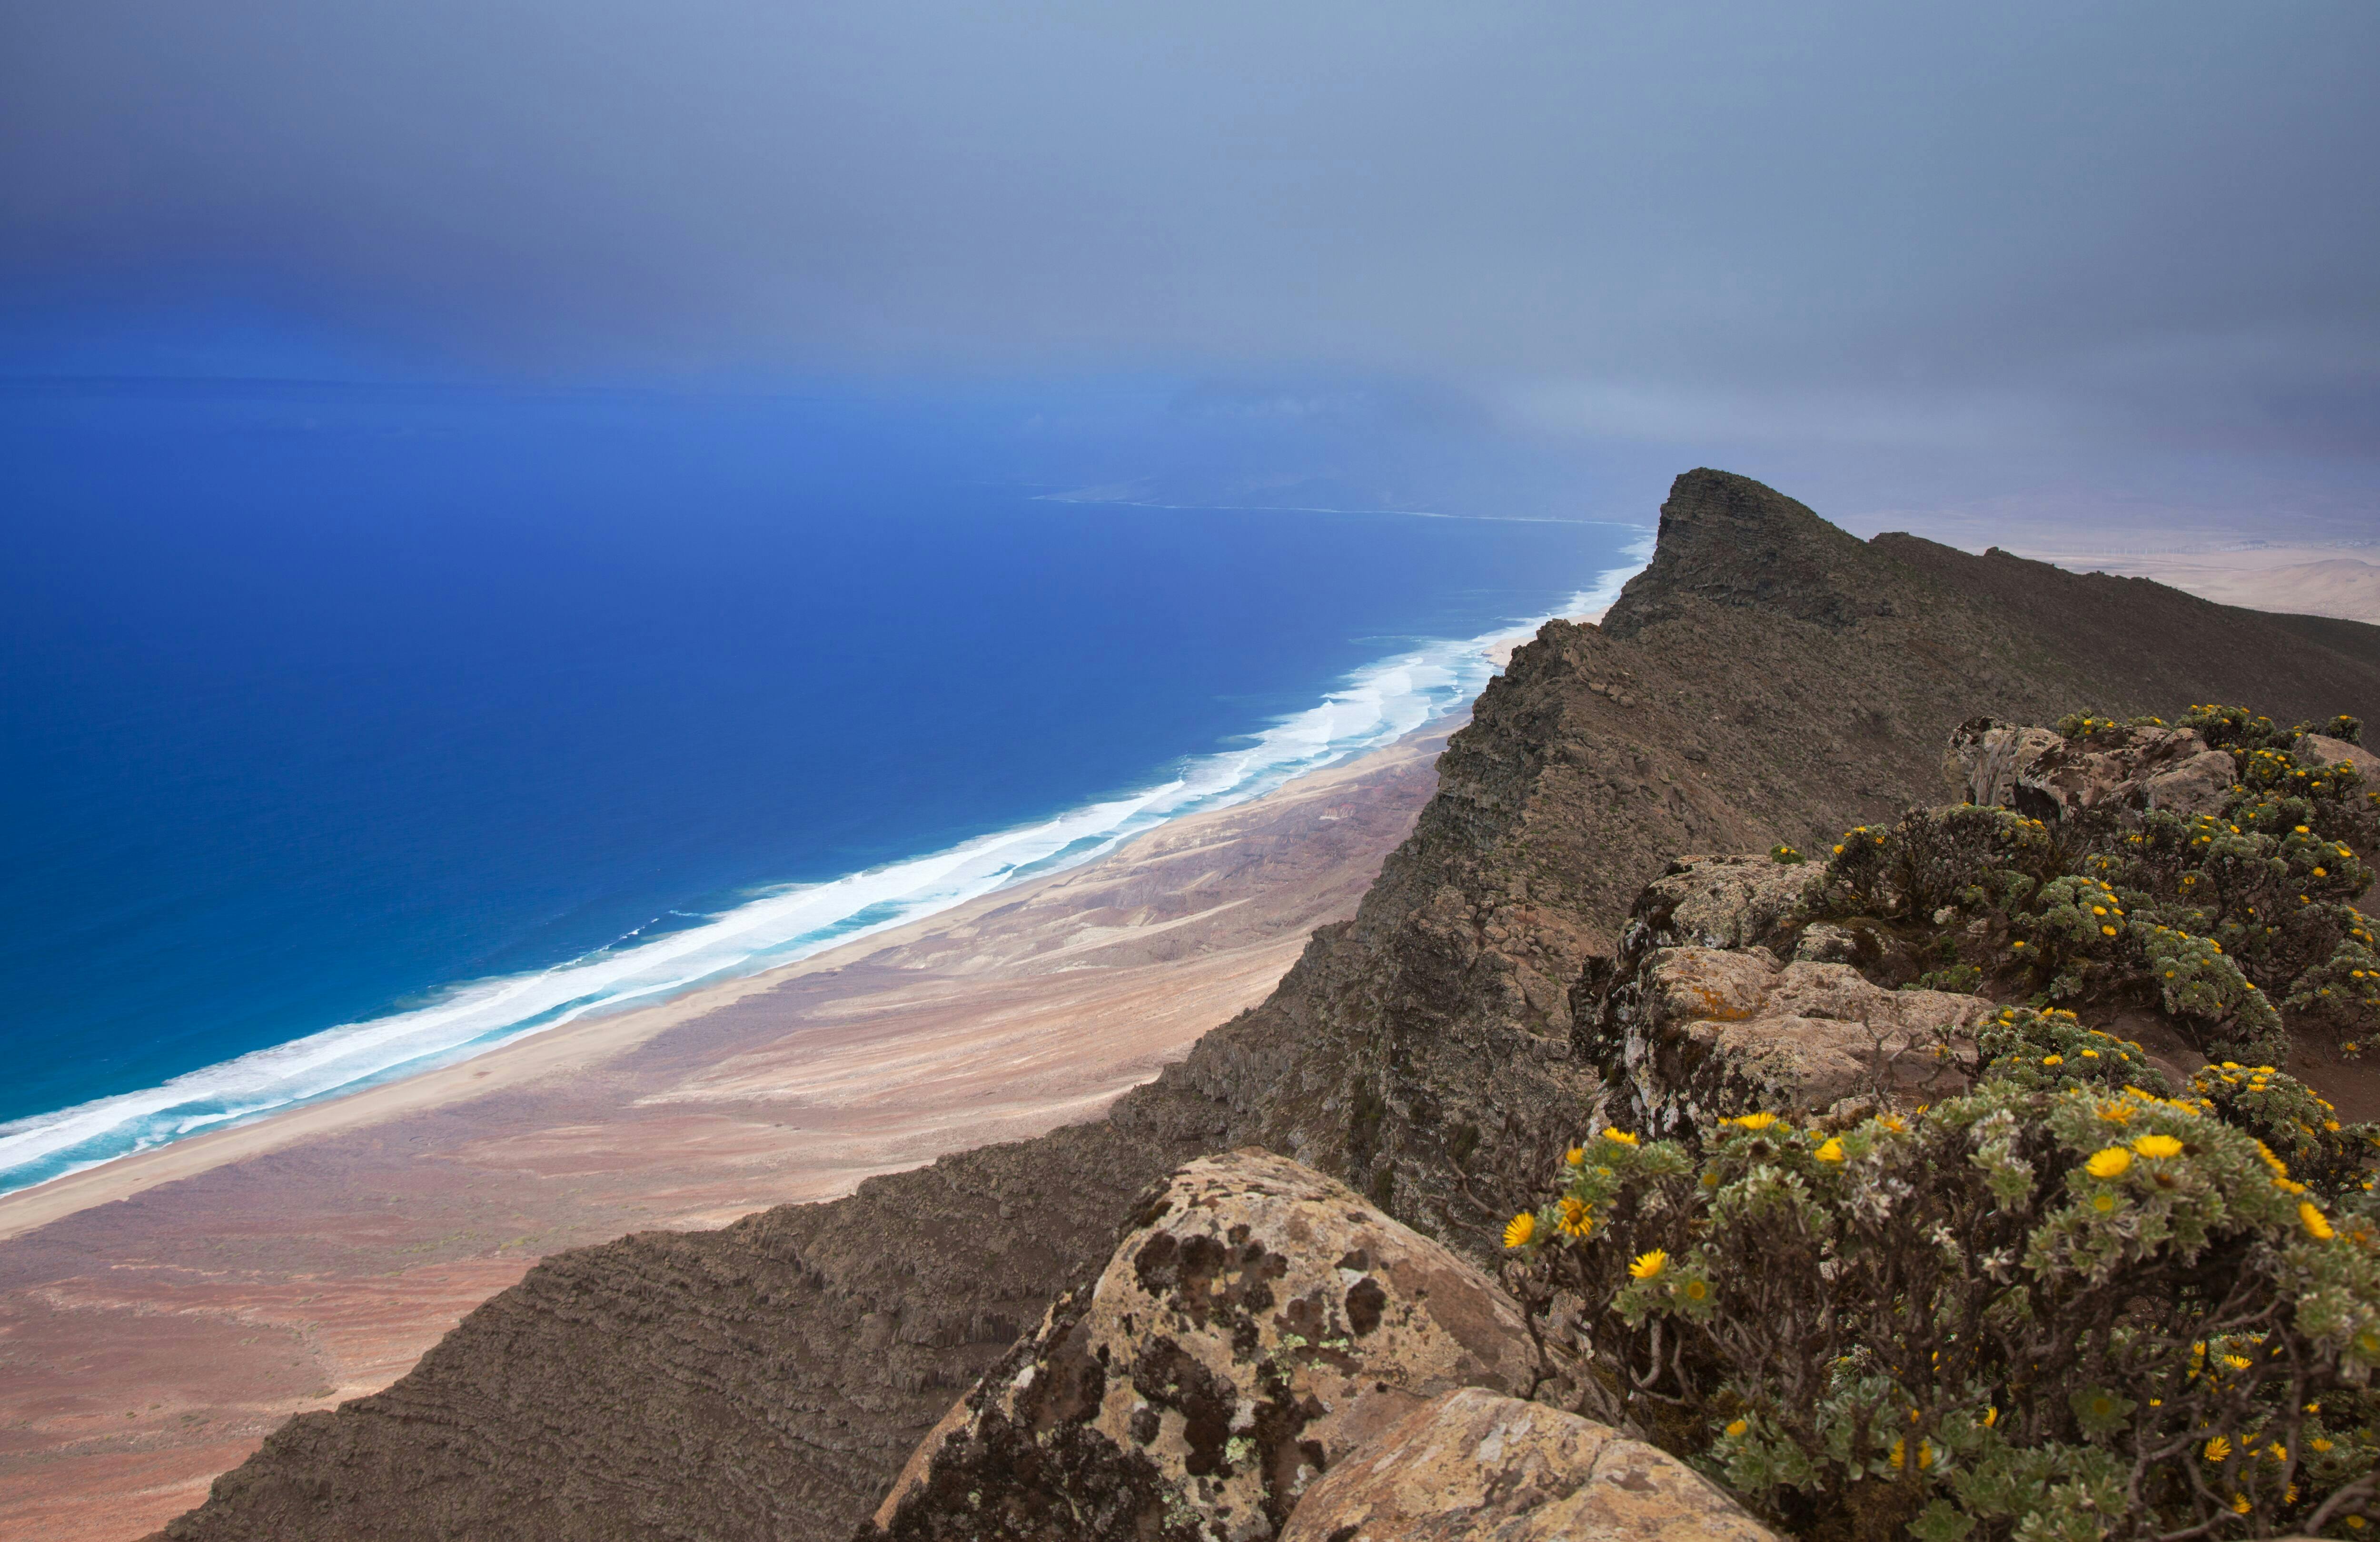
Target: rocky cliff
column 1767, row 678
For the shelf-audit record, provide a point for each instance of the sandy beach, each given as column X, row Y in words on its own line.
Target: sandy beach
column 160, row 1314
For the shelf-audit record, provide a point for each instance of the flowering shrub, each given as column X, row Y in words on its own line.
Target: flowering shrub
column 2343, row 991
column 2055, row 1307
column 2075, row 1301
column 2052, row 1048
column 2239, row 925
column 1982, row 858
column 2295, row 1127
column 2088, row 725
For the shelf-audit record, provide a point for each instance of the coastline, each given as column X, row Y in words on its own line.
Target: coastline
column 761, row 932
column 591, row 1040
column 309, row 1257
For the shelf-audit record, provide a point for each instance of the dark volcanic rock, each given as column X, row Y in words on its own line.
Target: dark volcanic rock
column 736, row 1383
column 1767, row 678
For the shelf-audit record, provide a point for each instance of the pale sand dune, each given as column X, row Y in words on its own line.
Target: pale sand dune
column 161, row 1313
column 2299, row 580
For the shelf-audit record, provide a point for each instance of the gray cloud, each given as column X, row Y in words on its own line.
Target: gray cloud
column 1871, row 224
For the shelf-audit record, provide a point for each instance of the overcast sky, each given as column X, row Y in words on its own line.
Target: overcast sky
column 1981, row 230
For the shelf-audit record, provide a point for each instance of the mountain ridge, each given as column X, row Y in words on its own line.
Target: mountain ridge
column 1766, row 678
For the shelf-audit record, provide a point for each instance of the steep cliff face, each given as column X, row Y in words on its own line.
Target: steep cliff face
column 1767, row 678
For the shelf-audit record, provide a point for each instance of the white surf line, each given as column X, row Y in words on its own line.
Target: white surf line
column 1377, row 704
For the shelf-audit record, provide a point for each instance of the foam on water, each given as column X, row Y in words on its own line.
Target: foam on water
column 1376, row 705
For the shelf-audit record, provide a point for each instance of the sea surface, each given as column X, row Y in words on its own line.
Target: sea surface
column 348, row 731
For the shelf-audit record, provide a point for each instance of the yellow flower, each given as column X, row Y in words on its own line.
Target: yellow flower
column 1572, row 1219
column 1648, row 1265
column 2317, row 1226
column 1695, row 1290
column 2018, row 943
column 2053, row 1059
column 2102, row 1202
column 2116, row 1113
column 2319, row 1444
column 1890, row 1122
column 1757, row 1121
column 1832, row 1151
column 1623, row 1136
column 2109, row 1164
column 1519, row 1229
column 1739, row 1427
column 2107, row 931
column 2158, row 1146
column 2240, row 1504
column 1575, row 1156
column 1991, row 1417
column 2237, row 1362
column 2218, row 1449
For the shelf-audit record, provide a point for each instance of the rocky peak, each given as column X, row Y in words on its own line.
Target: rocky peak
column 1734, row 541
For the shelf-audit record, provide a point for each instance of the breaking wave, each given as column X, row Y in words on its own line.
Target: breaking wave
column 1376, row 705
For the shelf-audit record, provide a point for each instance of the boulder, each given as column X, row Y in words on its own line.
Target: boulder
column 1722, row 901
column 2046, row 776
column 1475, row 1465
column 1986, row 760
column 2321, row 749
column 1692, row 1034
column 1258, row 1321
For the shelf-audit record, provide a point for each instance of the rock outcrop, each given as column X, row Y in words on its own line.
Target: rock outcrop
column 2045, row 775
column 1722, row 1000
column 1256, row 1323
column 2338, row 752
column 1473, row 1466
column 1767, row 678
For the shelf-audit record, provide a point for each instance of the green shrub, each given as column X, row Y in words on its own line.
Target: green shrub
column 2089, row 725
column 2239, row 925
column 2073, row 1301
column 1964, row 978
column 2342, row 727
column 1962, row 856
column 2036, row 1311
column 2343, row 991
column 2051, row 1050
column 1786, row 856
column 2295, row 1127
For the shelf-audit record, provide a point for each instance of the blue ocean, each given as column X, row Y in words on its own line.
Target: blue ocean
column 349, row 730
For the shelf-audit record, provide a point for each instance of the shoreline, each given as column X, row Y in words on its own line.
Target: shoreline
column 1372, row 707
column 244, row 1276
column 605, row 1031
column 577, row 1045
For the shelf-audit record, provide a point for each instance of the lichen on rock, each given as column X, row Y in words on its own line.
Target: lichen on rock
column 1257, row 1321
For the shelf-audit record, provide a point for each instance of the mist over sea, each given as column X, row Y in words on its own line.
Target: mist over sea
column 351, row 731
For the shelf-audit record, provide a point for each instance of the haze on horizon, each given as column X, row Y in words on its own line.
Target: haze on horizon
column 2024, row 261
